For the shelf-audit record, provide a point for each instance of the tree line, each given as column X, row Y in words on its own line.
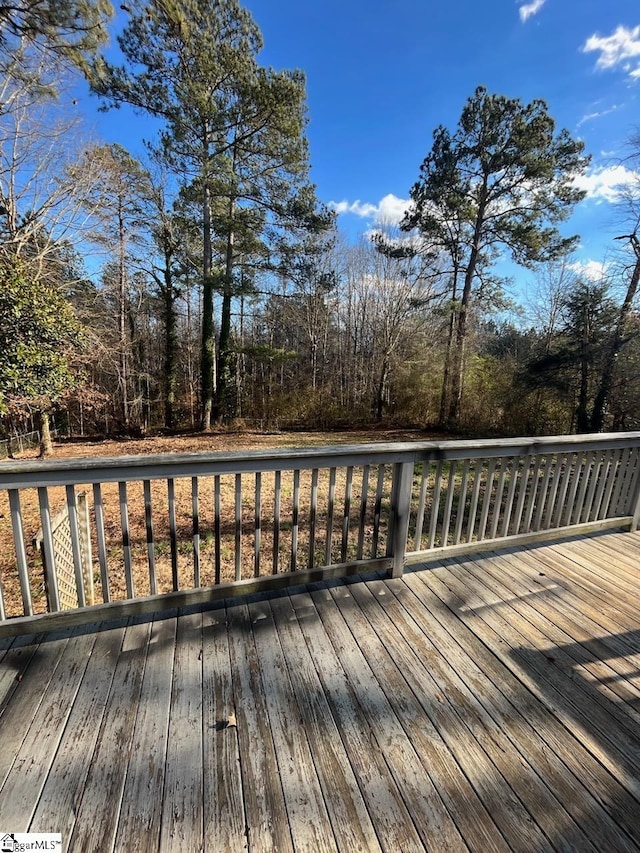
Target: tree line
column 205, row 283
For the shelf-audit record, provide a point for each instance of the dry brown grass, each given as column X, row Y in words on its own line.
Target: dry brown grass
column 188, row 444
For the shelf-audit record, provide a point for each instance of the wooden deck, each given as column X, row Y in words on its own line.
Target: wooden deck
column 488, row 703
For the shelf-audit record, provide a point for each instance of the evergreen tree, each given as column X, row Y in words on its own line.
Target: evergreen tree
column 501, row 182
column 235, row 129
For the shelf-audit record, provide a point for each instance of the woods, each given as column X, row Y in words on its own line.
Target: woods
column 201, row 282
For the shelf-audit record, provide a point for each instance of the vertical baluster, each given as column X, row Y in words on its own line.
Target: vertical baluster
column 612, row 479
column 435, row 505
column 487, row 500
column 84, row 531
column 216, row 528
column 567, row 476
column 173, row 538
column 462, row 501
column 330, row 511
column 556, row 476
column 593, row 485
column 126, row 539
column 21, row 554
column 451, row 485
column 238, row 564
column 313, row 513
column 422, row 502
column 587, row 473
column 543, row 494
column 603, row 482
column 573, row 488
column 346, row 513
column 276, row 522
column 51, row 576
column 3, row 614
column 511, row 492
column 258, row 527
column 102, row 545
column 195, row 516
column 363, row 511
column 628, row 486
column 473, row 509
column 532, row 495
column 497, row 503
column 525, row 491
column 148, row 520
column 72, row 512
column 294, row 520
column 377, row 511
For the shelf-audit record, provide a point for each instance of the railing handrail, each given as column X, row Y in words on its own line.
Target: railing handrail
column 60, row 472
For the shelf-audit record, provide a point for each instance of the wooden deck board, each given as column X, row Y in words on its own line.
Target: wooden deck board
column 488, row 702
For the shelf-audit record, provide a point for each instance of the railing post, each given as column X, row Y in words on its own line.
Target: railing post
column 400, row 509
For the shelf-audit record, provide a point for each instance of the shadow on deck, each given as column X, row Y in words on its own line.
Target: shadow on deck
column 486, row 703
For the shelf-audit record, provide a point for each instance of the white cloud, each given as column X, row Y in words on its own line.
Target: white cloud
column 389, row 210
column 608, row 183
column 621, row 48
column 528, row 10
column 591, row 270
column 595, row 115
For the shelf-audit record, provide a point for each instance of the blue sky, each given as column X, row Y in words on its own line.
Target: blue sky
column 381, row 76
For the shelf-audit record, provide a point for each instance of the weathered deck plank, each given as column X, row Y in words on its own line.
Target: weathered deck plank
column 182, row 810
column 66, row 780
column 96, row 814
column 488, row 702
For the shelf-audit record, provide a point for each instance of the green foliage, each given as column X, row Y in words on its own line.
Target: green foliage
column 38, row 334
column 70, row 29
column 501, row 182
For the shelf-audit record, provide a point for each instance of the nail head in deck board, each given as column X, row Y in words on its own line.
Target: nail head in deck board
column 306, row 810
column 66, row 778
column 349, row 817
column 393, row 824
column 266, row 813
column 405, row 759
column 464, row 696
column 473, row 792
column 182, row 800
column 33, row 760
column 224, row 818
column 141, row 810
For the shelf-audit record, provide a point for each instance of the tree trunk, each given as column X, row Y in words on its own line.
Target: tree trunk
column 463, row 316
column 582, row 415
column 445, row 395
column 604, row 388
column 46, row 444
column 122, row 295
column 224, row 406
column 170, row 343
column 207, row 366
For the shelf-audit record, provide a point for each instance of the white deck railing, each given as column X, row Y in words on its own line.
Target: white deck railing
column 167, row 531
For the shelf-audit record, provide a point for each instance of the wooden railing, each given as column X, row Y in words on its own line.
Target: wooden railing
column 167, row 531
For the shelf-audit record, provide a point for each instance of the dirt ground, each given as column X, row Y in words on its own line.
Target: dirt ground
column 217, row 441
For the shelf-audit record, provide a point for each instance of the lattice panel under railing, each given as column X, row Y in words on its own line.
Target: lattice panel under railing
column 63, row 555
